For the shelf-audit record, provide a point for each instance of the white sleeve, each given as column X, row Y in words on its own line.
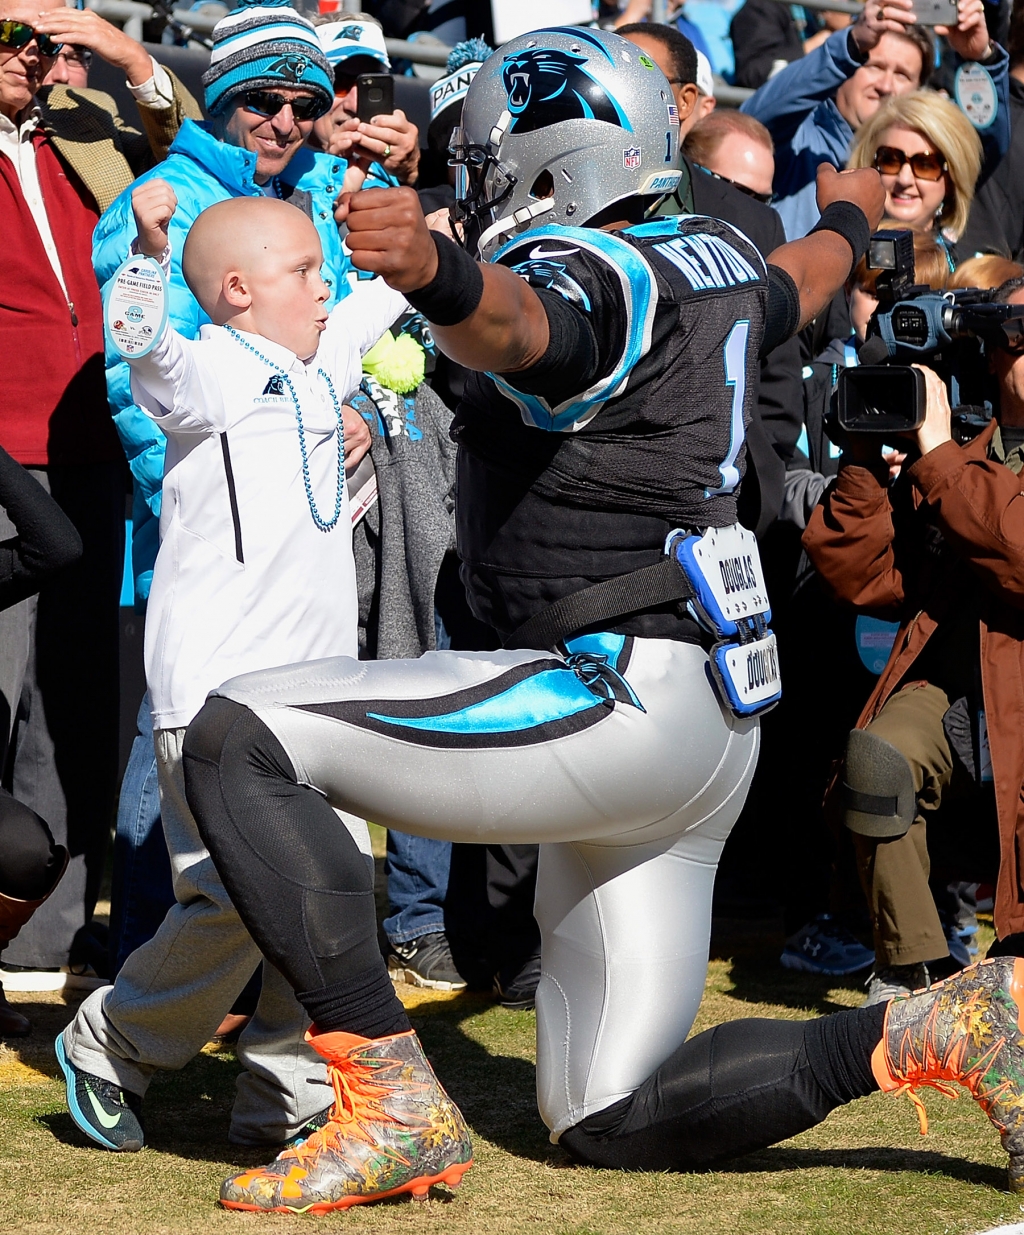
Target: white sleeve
column 362, row 317
column 171, row 386
column 156, row 91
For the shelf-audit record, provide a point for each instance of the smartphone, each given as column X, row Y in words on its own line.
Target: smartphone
column 936, row 12
column 375, row 95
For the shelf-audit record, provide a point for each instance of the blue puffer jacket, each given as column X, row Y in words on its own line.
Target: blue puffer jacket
column 798, row 108
column 202, row 170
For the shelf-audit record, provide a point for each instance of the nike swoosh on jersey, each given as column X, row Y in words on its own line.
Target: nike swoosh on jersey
column 536, row 253
column 108, row 1121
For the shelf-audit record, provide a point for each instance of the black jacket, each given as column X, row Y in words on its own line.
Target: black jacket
column 996, row 224
column 762, row 32
column 45, row 539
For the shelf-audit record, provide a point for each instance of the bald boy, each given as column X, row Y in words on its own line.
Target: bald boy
column 255, row 569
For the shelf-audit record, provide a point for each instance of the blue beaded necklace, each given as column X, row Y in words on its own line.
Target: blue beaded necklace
column 323, row 524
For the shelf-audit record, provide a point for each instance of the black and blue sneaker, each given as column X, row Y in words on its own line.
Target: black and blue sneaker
column 826, row 946
column 105, row 1112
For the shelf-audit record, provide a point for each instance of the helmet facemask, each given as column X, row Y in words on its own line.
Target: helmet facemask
column 482, row 185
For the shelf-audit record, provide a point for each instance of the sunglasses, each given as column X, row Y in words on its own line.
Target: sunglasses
column 766, row 198
column 266, row 103
column 18, row 34
column 889, row 161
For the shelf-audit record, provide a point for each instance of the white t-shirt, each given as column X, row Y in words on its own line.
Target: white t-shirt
column 244, row 579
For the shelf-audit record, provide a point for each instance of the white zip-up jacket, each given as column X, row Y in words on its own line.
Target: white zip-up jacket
column 244, row 579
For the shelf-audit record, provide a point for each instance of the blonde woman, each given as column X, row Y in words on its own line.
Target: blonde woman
column 929, row 157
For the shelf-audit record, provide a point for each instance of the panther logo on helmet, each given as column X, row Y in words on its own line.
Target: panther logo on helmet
column 545, row 86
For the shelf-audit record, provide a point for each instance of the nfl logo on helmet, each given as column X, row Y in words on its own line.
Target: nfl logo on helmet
column 631, row 158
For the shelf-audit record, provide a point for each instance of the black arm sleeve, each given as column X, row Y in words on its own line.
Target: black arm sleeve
column 571, row 362
column 783, row 317
column 46, row 539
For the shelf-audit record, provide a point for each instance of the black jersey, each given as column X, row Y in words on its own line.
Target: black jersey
column 554, row 497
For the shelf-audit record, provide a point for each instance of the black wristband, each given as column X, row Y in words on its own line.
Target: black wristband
column 454, row 292
column 848, row 221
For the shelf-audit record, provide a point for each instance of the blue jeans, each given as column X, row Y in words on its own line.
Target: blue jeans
column 141, row 893
column 417, row 873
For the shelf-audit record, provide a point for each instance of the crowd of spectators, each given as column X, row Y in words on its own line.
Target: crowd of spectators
column 910, row 545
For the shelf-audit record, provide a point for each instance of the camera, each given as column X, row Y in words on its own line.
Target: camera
column 952, row 332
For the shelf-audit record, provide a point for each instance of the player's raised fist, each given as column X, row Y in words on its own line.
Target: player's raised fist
column 387, row 234
column 862, row 186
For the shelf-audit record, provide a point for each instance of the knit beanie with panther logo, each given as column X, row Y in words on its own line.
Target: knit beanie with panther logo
column 260, row 45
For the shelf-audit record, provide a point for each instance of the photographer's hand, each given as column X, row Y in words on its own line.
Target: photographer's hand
column 937, row 427
column 969, row 37
column 880, row 17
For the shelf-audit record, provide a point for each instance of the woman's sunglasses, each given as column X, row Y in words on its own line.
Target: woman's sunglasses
column 889, row 161
column 266, row 103
column 18, row 34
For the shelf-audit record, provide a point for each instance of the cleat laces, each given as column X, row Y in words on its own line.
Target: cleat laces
column 357, row 1106
column 929, row 1067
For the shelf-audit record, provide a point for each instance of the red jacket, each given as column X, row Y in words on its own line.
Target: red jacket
column 53, row 394
column 867, row 543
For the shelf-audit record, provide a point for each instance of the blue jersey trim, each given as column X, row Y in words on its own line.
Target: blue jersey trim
column 640, row 293
column 667, row 226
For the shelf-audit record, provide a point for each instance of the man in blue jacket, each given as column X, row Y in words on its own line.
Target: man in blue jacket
column 814, row 106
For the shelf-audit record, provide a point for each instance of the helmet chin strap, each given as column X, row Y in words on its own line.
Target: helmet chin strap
column 519, row 218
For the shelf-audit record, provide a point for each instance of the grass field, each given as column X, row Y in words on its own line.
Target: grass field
column 866, row 1170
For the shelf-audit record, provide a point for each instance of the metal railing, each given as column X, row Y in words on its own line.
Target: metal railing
column 132, row 13
column 417, row 52
column 125, row 13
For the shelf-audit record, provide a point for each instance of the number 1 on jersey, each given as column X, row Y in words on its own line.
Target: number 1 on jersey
column 735, row 361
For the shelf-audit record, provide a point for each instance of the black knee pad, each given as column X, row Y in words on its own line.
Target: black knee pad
column 228, row 754
column 205, row 737
column 878, row 787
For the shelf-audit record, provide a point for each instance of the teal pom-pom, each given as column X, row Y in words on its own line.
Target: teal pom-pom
column 472, row 51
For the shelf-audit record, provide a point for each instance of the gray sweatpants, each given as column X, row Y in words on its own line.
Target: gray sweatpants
column 173, row 992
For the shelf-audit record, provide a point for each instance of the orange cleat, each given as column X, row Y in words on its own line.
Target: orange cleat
column 968, row 1030
column 392, row 1130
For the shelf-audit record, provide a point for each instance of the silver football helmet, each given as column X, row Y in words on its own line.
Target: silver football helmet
column 557, row 125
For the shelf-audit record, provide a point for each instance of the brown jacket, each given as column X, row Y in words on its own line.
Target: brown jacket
column 105, row 152
column 870, row 543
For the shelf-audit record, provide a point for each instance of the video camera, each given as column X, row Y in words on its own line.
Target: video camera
column 952, row 332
